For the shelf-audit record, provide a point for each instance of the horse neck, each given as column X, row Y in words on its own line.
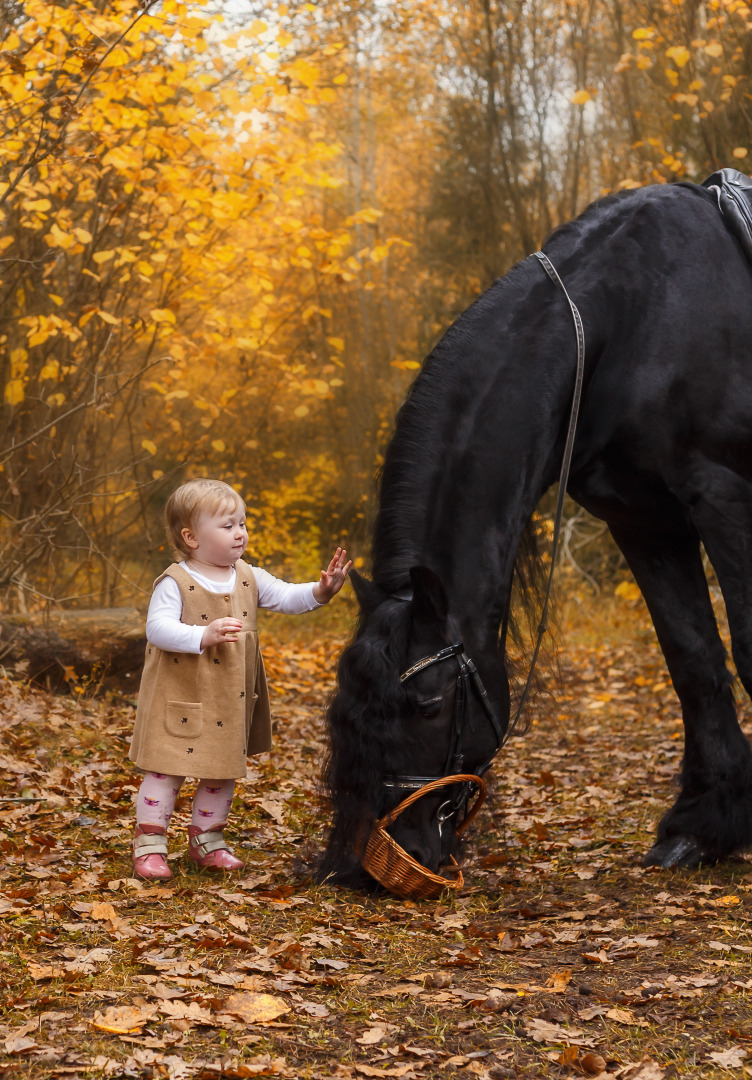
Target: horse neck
column 477, row 444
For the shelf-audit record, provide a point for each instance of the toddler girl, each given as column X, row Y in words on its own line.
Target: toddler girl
column 203, row 705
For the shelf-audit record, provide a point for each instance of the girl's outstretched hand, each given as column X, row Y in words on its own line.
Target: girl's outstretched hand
column 333, row 578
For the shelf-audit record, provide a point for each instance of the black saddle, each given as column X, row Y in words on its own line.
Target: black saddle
column 733, row 191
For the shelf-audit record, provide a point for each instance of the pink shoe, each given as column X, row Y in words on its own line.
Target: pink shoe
column 149, row 853
column 210, row 850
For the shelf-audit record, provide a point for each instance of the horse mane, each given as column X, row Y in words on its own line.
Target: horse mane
column 364, row 733
column 425, row 422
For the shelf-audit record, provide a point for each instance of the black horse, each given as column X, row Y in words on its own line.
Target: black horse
column 663, row 454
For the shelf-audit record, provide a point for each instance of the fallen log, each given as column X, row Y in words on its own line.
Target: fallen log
column 76, row 650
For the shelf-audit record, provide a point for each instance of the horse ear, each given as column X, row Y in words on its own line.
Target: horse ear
column 430, row 601
column 369, row 595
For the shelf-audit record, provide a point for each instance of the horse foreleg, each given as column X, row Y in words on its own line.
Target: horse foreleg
column 712, row 816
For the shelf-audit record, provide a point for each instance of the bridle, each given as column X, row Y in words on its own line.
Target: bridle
column 468, row 679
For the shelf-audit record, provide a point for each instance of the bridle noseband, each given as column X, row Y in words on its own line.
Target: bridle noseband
column 467, row 679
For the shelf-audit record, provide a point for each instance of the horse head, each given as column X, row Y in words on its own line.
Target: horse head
column 410, row 708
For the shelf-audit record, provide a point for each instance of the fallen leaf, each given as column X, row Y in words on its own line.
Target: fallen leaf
column 19, row 1044
column 263, row 1065
column 104, row 912
column 506, row 943
column 409, row 989
column 599, row 957
column 372, row 1036
column 86, row 963
column 164, row 992
column 592, row 1064
column 722, row 946
column 123, row 1019
column 729, row 1059
column 498, row 1002
column 399, row 1070
column 559, row 981
column 414, row 1051
column 273, row 808
column 251, row 883
column 437, row 980
column 255, row 1008
column 568, row 1058
column 592, row 1012
column 543, row 1031
column 639, row 941
column 643, row 1070
column 314, row 1008
column 455, row 921
column 191, row 1011
column 625, row 1016
column 45, row 971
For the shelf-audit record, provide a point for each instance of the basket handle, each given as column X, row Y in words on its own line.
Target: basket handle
column 443, row 781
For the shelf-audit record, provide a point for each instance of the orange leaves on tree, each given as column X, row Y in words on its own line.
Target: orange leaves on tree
column 679, row 54
column 160, row 203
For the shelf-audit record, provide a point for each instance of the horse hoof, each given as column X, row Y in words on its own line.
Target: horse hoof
column 682, row 852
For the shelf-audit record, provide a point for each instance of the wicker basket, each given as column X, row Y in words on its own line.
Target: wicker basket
column 399, row 872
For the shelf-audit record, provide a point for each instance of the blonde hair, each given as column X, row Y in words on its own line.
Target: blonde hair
column 192, row 499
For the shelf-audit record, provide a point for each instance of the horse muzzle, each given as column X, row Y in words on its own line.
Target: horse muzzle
column 394, row 868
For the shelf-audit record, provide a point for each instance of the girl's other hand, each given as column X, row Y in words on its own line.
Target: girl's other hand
column 333, row 578
column 220, row 632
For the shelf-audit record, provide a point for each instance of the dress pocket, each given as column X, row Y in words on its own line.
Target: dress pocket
column 184, row 719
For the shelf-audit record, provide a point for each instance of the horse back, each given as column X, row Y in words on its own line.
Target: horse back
column 665, row 290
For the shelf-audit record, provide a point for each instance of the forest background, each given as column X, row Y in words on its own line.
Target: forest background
column 230, row 231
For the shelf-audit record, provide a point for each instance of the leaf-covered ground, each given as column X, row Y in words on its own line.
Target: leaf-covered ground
column 562, row 957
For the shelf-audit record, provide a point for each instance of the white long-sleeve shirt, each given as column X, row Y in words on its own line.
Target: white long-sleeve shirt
column 165, row 630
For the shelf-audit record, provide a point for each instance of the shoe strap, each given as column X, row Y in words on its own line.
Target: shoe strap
column 147, row 844
column 207, row 842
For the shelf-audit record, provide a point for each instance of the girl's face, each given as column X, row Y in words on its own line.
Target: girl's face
column 218, row 539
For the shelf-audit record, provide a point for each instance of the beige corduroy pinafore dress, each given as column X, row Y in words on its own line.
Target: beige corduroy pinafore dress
column 202, row 715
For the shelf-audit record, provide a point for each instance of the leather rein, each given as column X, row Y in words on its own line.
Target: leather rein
column 468, row 679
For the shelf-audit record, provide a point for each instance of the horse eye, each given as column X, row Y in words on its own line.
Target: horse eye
column 429, row 708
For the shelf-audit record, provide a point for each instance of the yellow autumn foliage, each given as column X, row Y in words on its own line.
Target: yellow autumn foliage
column 158, row 193
column 226, row 242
